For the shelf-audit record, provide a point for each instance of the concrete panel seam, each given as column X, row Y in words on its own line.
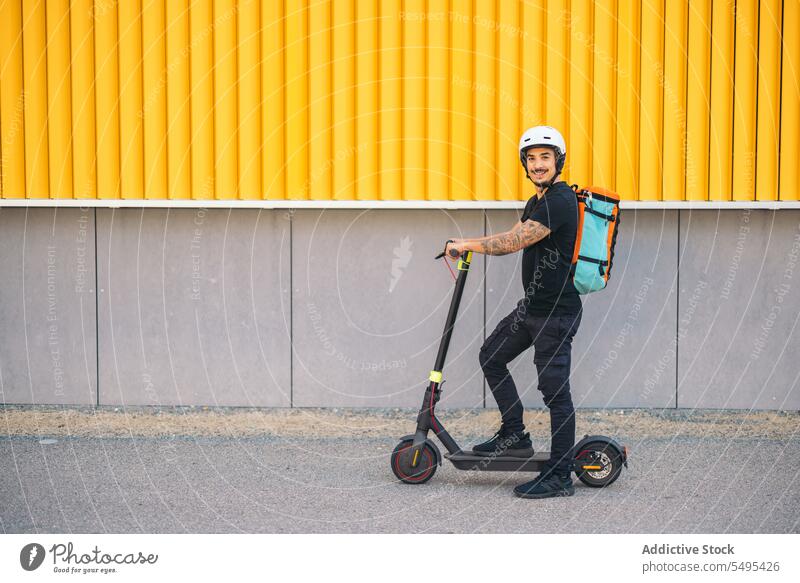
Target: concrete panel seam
column 291, row 314
column 96, row 319
column 677, row 304
column 485, row 291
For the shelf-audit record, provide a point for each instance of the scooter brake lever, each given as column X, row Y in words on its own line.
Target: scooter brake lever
column 440, row 255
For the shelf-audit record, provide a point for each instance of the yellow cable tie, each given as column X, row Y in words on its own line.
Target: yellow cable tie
column 463, row 264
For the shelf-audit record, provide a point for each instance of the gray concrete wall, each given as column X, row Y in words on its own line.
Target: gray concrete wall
column 739, row 339
column 346, row 308
column 370, row 304
column 48, row 306
column 193, row 307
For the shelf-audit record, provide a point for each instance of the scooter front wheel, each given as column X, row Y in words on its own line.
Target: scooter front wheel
column 403, row 458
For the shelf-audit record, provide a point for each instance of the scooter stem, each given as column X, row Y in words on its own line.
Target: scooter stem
column 463, row 270
column 426, row 419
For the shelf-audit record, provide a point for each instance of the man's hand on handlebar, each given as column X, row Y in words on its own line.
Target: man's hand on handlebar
column 454, row 249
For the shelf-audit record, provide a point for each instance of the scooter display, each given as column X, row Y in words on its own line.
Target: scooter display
column 597, row 460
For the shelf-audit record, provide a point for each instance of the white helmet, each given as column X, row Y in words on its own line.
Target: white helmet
column 543, row 136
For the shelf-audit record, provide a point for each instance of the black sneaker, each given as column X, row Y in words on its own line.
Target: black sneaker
column 546, row 485
column 515, row 444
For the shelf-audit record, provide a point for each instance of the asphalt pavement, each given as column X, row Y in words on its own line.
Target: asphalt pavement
column 274, row 484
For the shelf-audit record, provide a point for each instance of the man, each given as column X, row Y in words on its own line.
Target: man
column 547, row 317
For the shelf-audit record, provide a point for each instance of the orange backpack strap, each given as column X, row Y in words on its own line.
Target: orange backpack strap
column 581, row 211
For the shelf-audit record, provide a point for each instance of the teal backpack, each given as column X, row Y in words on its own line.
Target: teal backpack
column 598, row 222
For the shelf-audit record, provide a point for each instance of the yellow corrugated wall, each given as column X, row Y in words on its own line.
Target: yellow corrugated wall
column 398, row 99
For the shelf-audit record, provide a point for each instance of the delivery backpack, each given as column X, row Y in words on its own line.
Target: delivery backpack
column 598, row 222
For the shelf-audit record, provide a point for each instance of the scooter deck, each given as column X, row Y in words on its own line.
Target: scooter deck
column 503, row 463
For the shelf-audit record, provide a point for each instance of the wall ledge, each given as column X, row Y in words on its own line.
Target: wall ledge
column 376, row 204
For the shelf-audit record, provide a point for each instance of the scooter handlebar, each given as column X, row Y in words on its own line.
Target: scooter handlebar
column 453, row 253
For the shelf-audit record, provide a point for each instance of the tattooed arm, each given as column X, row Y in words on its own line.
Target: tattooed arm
column 521, row 236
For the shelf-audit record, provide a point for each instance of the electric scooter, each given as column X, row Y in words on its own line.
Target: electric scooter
column 597, row 460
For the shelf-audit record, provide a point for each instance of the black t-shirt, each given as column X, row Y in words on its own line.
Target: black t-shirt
column 546, row 275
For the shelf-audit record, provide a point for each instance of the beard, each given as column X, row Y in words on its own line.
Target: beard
column 543, row 179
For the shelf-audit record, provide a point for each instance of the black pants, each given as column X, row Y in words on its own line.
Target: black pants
column 551, row 337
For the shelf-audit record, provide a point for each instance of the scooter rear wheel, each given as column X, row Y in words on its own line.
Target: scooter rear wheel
column 402, row 458
column 605, row 455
